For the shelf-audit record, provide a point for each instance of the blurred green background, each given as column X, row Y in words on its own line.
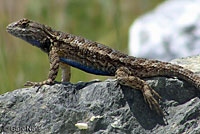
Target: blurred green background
column 104, row 21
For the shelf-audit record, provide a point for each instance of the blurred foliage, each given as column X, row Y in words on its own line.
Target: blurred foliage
column 104, row 21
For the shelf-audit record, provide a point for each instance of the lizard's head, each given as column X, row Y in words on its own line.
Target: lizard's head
column 31, row 32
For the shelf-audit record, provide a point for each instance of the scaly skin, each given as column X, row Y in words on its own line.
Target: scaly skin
column 67, row 50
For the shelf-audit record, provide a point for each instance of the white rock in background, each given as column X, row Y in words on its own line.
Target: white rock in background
column 170, row 31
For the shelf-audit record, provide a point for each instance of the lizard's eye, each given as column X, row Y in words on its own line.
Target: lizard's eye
column 24, row 25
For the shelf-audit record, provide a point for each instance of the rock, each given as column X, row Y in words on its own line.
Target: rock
column 101, row 107
column 191, row 63
column 170, row 31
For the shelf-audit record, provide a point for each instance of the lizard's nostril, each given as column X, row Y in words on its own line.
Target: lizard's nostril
column 9, row 28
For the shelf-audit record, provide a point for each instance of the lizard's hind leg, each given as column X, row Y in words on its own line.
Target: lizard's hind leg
column 66, row 72
column 124, row 77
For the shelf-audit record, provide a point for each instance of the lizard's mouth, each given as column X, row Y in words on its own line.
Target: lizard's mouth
column 19, row 32
column 16, row 32
column 9, row 28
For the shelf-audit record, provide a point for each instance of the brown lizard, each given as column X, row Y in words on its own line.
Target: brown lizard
column 67, row 50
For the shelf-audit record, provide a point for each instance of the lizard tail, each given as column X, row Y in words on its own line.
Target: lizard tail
column 182, row 73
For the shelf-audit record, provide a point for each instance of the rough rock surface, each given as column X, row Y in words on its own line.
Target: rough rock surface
column 118, row 109
column 169, row 31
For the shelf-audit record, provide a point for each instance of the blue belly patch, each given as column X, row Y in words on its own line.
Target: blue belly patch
column 83, row 67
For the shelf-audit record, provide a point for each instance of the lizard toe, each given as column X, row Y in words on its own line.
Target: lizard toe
column 29, row 83
column 149, row 98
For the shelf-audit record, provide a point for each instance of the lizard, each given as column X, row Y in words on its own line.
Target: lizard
column 65, row 50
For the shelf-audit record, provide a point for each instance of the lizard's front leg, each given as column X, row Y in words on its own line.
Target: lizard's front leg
column 124, row 77
column 54, row 66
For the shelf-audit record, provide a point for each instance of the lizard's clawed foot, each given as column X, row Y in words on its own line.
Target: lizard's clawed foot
column 39, row 84
column 149, row 94
column 34, row 84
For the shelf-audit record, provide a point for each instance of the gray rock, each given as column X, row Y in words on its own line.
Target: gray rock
column 118, row 109
column 191, row 63
column 169, row 31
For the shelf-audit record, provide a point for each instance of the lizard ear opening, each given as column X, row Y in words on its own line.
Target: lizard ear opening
column 46, row 46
